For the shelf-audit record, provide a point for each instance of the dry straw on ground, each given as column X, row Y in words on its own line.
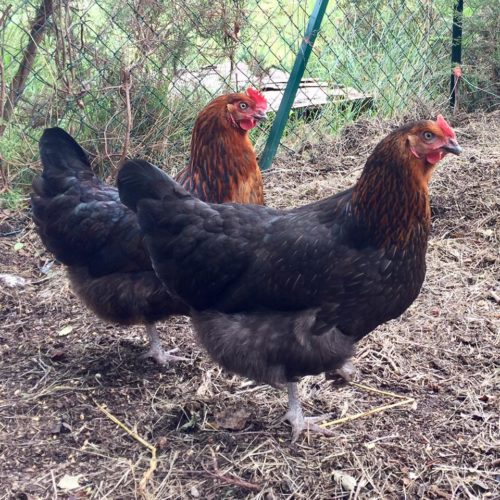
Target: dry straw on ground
column 443, row 352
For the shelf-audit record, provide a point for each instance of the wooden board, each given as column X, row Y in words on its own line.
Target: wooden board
column 312, row 93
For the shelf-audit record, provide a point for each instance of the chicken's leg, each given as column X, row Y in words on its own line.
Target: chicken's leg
column 296, row 417
column 156, row 351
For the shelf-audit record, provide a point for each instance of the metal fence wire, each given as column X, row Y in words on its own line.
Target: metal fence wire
column 130, row 76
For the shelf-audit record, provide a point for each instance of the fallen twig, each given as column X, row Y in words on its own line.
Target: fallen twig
column 378, row 391
column 404, row 401
column 153, row 461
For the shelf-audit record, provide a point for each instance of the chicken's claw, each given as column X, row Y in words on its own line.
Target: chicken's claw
column 163, row 357
column 295, row 416
column 156, row 351
column 347, row 371
column 300, row 424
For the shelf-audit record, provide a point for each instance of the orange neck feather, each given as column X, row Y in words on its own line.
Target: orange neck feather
column 392, row 196
column 223, row 166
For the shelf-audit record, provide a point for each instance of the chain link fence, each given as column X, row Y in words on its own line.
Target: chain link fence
column 129, row 77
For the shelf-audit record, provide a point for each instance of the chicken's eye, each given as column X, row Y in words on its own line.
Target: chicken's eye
column 428, row 136
column 243, row 105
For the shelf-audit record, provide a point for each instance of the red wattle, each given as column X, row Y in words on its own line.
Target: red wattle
column 247, row 124
column 434, row 157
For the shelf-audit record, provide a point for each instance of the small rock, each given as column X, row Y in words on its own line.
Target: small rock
column 60, row 427
column 68, row 482
column 162, row 443
column 345, row 480
column 231, row 419
column 12, row 281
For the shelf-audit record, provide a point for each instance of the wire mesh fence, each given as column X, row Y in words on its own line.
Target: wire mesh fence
column 129, row 77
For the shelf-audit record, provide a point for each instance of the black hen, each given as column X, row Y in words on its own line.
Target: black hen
column 84, row 224
column 276, row 295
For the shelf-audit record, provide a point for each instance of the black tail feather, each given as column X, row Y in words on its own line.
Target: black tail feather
column 62, row 157
column 138, row 179
column 58, row 150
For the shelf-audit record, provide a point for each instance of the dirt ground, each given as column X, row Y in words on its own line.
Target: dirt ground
column 216, row 435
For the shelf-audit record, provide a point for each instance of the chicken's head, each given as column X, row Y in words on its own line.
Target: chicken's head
column 431, row 141
column 246, row 109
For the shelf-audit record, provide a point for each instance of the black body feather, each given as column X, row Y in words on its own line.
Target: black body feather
column 280, row 294
column 84, row 224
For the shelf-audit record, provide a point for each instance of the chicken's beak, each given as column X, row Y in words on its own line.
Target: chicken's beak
column 452, row 147
column 260, row 116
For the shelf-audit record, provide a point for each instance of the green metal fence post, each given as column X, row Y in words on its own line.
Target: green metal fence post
column 456, row 47
column 293, row 84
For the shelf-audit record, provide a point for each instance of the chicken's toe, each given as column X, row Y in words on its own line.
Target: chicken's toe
column 295, row 416
column 300, row 424
column 156, row 351
column 163, row 357
column 347, row 371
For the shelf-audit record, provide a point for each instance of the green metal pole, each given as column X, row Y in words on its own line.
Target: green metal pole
column 456, row 47
column 293, row 84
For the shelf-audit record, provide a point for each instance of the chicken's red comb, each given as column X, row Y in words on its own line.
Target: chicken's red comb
column 256, row 96
column 443, row 125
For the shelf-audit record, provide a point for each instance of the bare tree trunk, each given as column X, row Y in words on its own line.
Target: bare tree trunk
column 3, row 84
column 19, row 81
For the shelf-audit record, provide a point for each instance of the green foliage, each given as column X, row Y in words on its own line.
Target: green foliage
column 481, row 55
column 12, row 199
column 395, row 52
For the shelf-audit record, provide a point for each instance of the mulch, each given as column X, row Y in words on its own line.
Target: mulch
column 216, row 435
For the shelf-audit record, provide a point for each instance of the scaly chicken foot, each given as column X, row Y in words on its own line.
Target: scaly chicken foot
column 295, row 416
column 156, row 351
column 347, row 371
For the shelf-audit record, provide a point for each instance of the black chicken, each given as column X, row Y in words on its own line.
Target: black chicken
column 83, row 223
column 276, row 295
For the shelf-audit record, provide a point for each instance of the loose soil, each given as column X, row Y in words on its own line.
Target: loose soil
column 220, row 436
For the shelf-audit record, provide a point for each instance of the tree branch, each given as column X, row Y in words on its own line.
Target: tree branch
column 3, row 83
column 19, row 81
column 126, row 84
